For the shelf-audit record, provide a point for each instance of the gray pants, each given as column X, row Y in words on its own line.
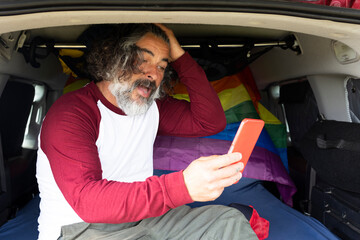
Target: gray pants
column 208, row 222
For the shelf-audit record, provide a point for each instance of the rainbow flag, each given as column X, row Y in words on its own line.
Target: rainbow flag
column 239, row 98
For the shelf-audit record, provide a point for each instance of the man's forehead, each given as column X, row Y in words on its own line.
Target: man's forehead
column 154, row 45
column 165, row 59
column 152, row 36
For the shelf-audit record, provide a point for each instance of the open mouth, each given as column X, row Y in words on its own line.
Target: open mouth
column 144, row 87
column 144, row 91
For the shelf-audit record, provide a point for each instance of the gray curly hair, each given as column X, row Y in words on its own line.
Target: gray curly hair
column 116, row 56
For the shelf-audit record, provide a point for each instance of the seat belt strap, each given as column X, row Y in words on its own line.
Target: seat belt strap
column 342, row 144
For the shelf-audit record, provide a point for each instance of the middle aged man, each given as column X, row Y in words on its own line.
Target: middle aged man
column 96, row 145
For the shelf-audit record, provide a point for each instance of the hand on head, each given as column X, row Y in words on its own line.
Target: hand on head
column 175, row 49
column 206, row 177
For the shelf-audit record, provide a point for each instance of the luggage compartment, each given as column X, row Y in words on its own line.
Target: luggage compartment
column 338, row 210
column 331, row 149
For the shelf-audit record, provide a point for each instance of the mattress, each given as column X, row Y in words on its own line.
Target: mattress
column 285, row 222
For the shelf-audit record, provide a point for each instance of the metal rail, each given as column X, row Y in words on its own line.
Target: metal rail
column 82, row 46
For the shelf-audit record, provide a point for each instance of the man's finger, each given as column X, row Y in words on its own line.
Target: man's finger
column 226, row 182
column 224, row 160
column 229, row 171
column 162, row 26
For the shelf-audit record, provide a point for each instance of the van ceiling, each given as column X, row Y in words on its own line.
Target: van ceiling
column 69, row 34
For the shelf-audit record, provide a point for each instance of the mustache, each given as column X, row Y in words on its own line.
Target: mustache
column 144, row 83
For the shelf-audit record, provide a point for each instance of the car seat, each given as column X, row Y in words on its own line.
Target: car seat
column 17, row 165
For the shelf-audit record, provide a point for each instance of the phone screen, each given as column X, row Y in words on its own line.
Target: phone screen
column 246, row 138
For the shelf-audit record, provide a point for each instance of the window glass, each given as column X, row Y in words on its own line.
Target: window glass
column 35, row 118
column 352, row 88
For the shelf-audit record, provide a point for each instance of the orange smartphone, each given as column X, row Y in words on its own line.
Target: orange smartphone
column 246, row 138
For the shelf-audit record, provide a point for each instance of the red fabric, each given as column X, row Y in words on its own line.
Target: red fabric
column 250, row 84
column 319, row 2
column 341, row 3
column 356, row 4
column 338, row 3
column 203, row 116
column 259, row 225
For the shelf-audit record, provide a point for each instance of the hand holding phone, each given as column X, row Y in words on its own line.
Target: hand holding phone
column 246, row 138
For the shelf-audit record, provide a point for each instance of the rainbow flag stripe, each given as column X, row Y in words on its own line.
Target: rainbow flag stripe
column 239, row 98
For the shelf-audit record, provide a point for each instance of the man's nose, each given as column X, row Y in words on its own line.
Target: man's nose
column 151, row 72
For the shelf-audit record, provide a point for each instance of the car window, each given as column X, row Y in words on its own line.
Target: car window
column 352, row 88
column 36, row 116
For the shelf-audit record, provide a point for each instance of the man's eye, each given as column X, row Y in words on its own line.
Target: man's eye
column 161, row 68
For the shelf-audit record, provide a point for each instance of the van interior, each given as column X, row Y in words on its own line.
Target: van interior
column 295, row 71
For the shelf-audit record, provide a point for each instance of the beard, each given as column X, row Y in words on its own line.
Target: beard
column 123, row 93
